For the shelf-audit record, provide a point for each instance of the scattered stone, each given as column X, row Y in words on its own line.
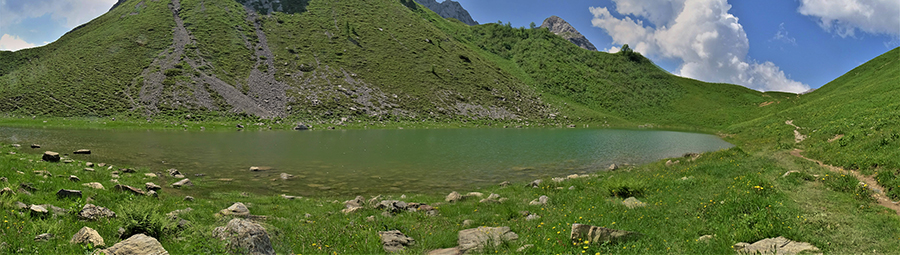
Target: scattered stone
column 504, row 184
column 789, row 173
column 43, row 237
column 175, row 213
column 571, row 187
column 74, row 178
column 16, row 145
column 93, row 212
column 535, row 183
column 67, row 161
column 475, row 194
column 35, row 146
column 244, row 236
column 87, row 236
column 493, row 198
column 373, row 201
column 540, row 201
column 632, row 202
column 151, row 175
column 101, row 164
column 475, row 239
column 570, row 126
column 239, row 126
column 127, row 170
column 237, row 209
column 395, row 241
column 68, row 193
column 290, row 197
column 301, row 126
column 558, row 179
column 82, row 151
column 532, row 217
column 453, row 197
column 447, row 251
column 370, row 218
column 173, row 172
column 672, row 163
column 4, row 180
column 6, row 191
column 685, row 178
column 705, row 238
column 255, row 169
column 152, row 186
column 594, row 234
column 188, row 198
column 95, row 185
column 613, row 167
column 778, row 245
column 524, row 247
column 286, row 176
column 466, row 223
column 20, row 206
column 88, row 169
column 89, row 164
column 127, row 188
column 50, row 156
column 182, row 183
column 136, row 244
column 392, row 206
column 27, row 187
column 152, row 193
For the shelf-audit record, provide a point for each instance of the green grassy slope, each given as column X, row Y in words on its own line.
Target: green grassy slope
column 852, row 122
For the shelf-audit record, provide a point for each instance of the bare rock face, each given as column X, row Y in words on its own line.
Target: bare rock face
column 778, row 245
column 594, row 234
column 562, row 28
column 87, row 235
column 475, row 239
column 136, row 244
column 244, row 236
column 449, row 9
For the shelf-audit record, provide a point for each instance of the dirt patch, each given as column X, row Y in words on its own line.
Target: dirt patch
column 835, row 138
column 868, row 180
column 798, row 137
column 764, row 104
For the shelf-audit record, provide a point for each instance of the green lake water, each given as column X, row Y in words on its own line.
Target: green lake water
column 351, row 162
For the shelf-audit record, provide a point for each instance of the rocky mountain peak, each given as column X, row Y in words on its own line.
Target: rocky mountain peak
column 562, row 28
column 449, row 9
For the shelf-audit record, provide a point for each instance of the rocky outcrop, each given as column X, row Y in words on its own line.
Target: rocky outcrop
column 476, row 239
column 778, row 245
column 136, row 244
column 449, row 9
column 244, row 236
column 562, row 28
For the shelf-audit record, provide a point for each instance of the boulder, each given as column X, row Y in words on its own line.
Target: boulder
column 182, row 183
column 82, row 151
column 778, row 245
column 395, row 241
column 87, row 236
column 543, row 200
column 136, row 244
column 493, row 198
column 68, row 193
column 593, row 234
column 237, row 209
column 173, row 172
column 152, row 186
column 43, row 237
column 453, row 197
column 613, row 167
column 504, row 184
column 74, row 178
column 50, row 156
column 93, row 212
column 89, row 164
column 95, row 185
column 301, row 126
column 127, row 170
column 476, row 239
column 474, row 194
column 535, row 183
column 392, row 206
column 127, row 188
column 632, row 202
column 6, row 191
column 35, row 146
column 244, row 236
column 286, row 176
column 38, row 210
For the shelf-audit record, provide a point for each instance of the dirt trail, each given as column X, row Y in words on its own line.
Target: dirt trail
column 798, row 137
column 868, row 180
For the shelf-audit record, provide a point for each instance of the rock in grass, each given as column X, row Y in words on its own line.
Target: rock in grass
column 87, row 236
column 127, row 188
column 38, row 210
column 286, row 176
column 89, row 164
column 237, row 209
column 504, row 184
column 395, row 241
column 534, row 184
column 453, row 197
column 88, row 169
column 68, row 193
column 705, row 238
column 778, row 245
column 43, row 237
column 632, row 202
column 188, row 198
column 152, row 186
column 6, row 191
column 593, row 234
column 672, row 163
column 95, row 185
column 244, row 236
column 93, row 212
column 182, row 183
column 136, row 244
column 50, row 156
column 475, row 239
column 74, row 178
column 173, row 172
column 447, row 251
column 493, row 198
column 613, row 167
column 543, row 200
column 35, row 146
column 82, row 151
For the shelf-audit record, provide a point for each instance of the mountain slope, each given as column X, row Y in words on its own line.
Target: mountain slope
column 562, row 28
column 449, row 9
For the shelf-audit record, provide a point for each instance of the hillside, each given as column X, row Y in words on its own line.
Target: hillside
column 852, row 122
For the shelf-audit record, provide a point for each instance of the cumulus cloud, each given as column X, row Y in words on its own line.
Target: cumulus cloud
column 710, row 42
column 845, row 16
column 70, row 13
column 14, row 43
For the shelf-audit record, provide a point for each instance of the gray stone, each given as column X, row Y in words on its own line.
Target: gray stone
column 543, row 200
column 93, row 212
column 672, row 163
column 773, row 246
column 493, row 198
column 188, row 198
column 301, row 126
column 43, row 237
column 57, row 211
column 449, row 9
column 136, row 244
column 68, row 193
column 504, row 184
column 20, row 206
column 82, row 151
column 50, row 156
column 173, row 172
column 152, row 186
column 535, row 183
column 632, row 202
column 613, row 167
column 593, row 234
column 130, row 189
column 392, row 206
column 244, row 236
column 89, row 164
column 563, row 29
column 182, row 183
column 286, row 176
column 35, row 146
column 6, row 191
column 87, row 236
column 786, row 174
column 151, row 175
column 453, row 197
column 88, row 169
column 95, row 185
column 74, row 178
column 447, row 251
column 237, row 209
column 395, row 241
column 476, row 239
column 532, row 217
column 127, row 170
column 705, row 238
column 38, row 210
column 152, row 193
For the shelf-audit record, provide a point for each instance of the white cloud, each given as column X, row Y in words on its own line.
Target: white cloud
column 782, row 36
column 845, row 16
column 14, row 43
column 710, row 42
column 70, row 13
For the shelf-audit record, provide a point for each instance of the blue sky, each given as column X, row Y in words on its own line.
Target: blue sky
column 784, row 45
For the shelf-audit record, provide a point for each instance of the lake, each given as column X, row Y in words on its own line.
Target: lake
column 351, row 162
